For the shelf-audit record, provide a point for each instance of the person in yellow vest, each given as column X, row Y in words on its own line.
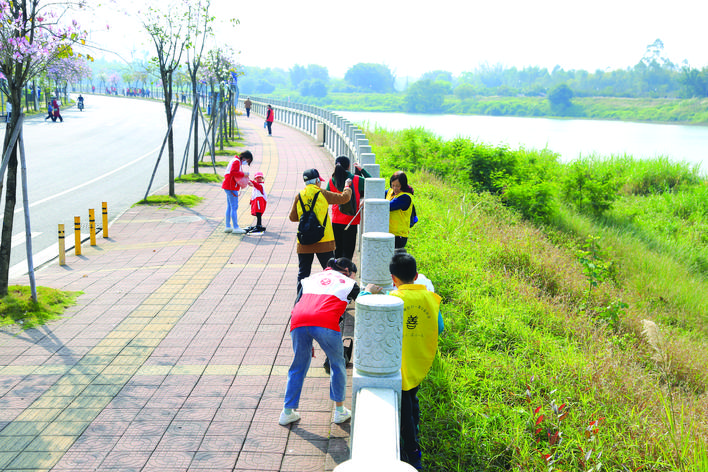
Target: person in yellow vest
column 422, row 323
column 324, row 248
column 400, row 195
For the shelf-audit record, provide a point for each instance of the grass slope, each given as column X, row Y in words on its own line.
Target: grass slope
column 546, row 361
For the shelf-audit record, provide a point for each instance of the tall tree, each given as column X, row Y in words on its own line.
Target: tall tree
column 426, row 96
column 371, row 77
column 298, row 73
column 33, row 34
column 200, row 31
column 219, row 64
column 169, row 27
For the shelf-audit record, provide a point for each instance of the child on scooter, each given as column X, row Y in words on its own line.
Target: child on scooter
column 258, row 202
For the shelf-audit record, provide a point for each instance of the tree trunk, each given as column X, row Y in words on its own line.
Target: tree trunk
column 10, row 200
column 196, row 125
column 167, row 88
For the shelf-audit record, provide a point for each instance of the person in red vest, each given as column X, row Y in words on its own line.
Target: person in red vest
column 345, row 238
column 270, row 117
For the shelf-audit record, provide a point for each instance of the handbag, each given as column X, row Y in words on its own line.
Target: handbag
column 265, row 124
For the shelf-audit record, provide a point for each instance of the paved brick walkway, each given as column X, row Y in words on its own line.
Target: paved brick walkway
column 175, row 357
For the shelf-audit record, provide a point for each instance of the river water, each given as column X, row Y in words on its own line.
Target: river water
column 569, row 138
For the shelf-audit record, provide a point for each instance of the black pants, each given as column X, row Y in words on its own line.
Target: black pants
column 345, row 240
column 399, row 242
column 305, row 265
column 410, row 418
column 270, row 126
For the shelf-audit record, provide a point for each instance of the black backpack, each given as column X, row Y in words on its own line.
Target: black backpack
column 351, row 208
column 309, row 230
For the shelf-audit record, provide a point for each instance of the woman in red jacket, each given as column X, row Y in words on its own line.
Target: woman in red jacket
column 270, row 117
column 234, row 180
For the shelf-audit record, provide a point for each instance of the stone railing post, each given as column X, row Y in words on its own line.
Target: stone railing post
column 376, row 253
column 367, row 158
column 375, row 216
column 377, row 340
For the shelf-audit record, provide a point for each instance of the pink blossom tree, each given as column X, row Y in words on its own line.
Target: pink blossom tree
column 66, row 70
column 33, row 34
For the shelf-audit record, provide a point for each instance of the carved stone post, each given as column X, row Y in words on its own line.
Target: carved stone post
column 376, row 253
column 378, row 332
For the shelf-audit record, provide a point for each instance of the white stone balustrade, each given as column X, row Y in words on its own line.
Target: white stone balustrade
column 375, row 217
column 373, row 169
column 367, row 158
column 376, row 253
column 378, row 329
column 374, row 188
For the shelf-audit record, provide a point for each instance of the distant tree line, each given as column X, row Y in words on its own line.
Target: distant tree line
column 653, row 76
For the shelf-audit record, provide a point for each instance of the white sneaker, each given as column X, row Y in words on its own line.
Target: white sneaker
column 238, row 231
column 342, row 416
column 286, row 419
column 227, row 230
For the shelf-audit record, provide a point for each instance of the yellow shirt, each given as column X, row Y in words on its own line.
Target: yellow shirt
column 399, row 221
column 321, row 209
column 420, row 332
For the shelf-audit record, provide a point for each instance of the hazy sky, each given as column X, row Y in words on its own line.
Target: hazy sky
column 413, row 37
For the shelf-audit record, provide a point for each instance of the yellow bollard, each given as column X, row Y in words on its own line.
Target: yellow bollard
column 62, row 246
column 92, row 226
column 105, row 219
column 77, row 235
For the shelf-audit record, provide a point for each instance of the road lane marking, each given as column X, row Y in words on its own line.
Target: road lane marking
column 19, row 238
column 100, row 177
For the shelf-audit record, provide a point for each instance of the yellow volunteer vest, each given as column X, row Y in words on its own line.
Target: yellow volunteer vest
column 399, row 221
column 321, row 209
column 420, row 332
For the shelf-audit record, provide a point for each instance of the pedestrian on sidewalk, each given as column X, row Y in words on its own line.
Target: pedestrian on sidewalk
column 50, row 111
column 316, row 316
column 324, row 248
column 270, row 118
column 234, row 180
column 247, row 105
column 55, row 110
column 258, row 202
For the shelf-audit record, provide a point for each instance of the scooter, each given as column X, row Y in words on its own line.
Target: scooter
column 80, row 105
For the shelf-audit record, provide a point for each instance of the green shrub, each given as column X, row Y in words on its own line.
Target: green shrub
column 589, row 189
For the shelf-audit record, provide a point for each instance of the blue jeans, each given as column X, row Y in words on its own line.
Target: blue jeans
column 231, row 208
column 331, row 343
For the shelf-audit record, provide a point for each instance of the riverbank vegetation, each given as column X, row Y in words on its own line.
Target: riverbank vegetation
column 575, row 301
column 664, row 110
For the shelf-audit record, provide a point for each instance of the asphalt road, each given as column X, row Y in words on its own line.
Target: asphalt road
column 106, row 153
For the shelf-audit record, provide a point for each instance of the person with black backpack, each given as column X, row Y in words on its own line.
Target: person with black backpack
column 311, row 211
column 346, row 216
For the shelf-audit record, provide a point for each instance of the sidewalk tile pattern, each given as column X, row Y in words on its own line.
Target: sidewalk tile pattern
column 175, row 357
